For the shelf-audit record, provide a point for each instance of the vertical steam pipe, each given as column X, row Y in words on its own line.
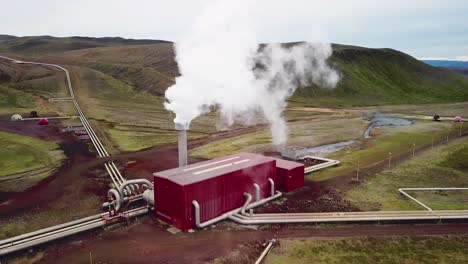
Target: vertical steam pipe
column 257, row 192
column 272, row 186
column 182, row 144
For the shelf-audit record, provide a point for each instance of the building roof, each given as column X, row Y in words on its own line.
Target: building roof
column 287, row 164
column 212, row 168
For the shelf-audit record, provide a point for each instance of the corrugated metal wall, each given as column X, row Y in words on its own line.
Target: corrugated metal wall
column 216, row 195
column 290, row 178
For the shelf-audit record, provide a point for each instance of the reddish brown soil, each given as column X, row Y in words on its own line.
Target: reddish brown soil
column 32, row 129
column 148, row 242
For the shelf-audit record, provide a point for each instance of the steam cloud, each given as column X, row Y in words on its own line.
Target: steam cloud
column 222, row 66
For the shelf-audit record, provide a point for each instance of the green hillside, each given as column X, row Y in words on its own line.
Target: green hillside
column 385, row 76
column 369, row 76
column 40, row 45
column 123, row 86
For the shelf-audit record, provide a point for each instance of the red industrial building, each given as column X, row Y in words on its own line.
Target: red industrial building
column 290, row 175
column 218, row 186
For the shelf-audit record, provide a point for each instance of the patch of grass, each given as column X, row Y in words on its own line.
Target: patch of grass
column 384, row 76
column 15, row 101
column 58, row 211
column 397, row 140
column 253, row 142
column 309, row 133
column 133, row 138
column 22, row 153
column 433, row 168
column 128, row 119
column 442, row 249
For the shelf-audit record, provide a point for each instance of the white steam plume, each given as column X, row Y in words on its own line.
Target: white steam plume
column 222, row 66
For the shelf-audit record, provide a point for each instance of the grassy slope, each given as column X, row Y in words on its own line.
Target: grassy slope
column 444, row 166
column 34, row 153
column 130, row 119
column 382, row 76
column 306, row 134
column 397, row 140
column 24, row 88
column 369, row 76
column 14, row 101
column 40, row 45
column 447, row 249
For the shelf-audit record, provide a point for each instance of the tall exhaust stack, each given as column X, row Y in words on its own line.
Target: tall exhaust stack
column 182, row 131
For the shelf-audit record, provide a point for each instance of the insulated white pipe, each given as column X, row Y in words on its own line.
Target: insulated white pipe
column 111, row 174
column 118, row 200
column 226, row 215
column 247, row 202
column 56, row 232
column 49, row 229
column 415, row 200
column 182, row 144
column 144, row 182
column 434, row 189
column 272, row 186
column 257, row 192
column 264, row 253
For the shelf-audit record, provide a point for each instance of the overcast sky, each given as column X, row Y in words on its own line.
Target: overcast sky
column 422, row 28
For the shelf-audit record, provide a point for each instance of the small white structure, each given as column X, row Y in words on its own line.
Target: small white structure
column 16, row 117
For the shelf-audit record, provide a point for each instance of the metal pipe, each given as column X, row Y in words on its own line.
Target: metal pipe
column 414, row 199
column 148, row 196
column 345, row 217
column 47, row 237
column 118, row 200
column 145, row 182
column 257, row 192
column 264, row 253
column 247, row 202
column 224, row 216
column 111, row 175
column 434, row 189
column 182, row 144
column 117, row 172
column 21, row 241
column 272, row 186
column 49, row 229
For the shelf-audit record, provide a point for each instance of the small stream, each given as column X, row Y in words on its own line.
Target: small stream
column 380, row 121
column 323, row 150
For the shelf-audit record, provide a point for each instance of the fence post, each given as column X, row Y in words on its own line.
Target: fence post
column 389, row 159
column 414, row 149
column 357, row 171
